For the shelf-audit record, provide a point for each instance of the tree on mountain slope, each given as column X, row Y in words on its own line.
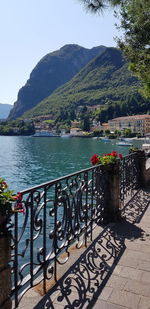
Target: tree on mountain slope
column 135, row 23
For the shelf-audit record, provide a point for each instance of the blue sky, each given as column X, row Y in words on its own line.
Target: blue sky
column 29, row 29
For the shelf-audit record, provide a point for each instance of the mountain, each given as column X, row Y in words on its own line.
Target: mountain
column 52, row 71
column 5, row 110
column 104, row 80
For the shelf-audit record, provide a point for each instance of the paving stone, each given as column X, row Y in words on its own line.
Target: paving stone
column 124, row 298
column 144, row 224
column 146, row 219
column 106, row 292
column 100, row 304
column 137, row 255
column 117, row 282
column 132, row 245
column 56, row 306
column 140, row 288
column 54, row 295
column 146, row 229
column 128, row 261
column 144, row 266
column 29, row 300
column 117, row 269
column 144, row 303
column 145, row 248
column 144, row 240
column 131, row 273
column 145, row 276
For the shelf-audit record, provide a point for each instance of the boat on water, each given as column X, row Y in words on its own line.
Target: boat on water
column 146, row 144
column 105, row 139
column 124, row 143
column 146, row 147
column 45, row 134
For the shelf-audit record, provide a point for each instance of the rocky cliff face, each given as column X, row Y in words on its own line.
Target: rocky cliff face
column 52, row 71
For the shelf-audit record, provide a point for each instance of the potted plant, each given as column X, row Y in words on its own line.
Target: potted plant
column 108, row 160
column 140, row 152
column 111, row 163
column 9, row 204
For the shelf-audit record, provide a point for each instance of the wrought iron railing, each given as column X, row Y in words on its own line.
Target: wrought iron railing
column 57, row 214
column 129, row 177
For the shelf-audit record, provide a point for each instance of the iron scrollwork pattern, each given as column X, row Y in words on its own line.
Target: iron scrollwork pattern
column 129, row 176
column 57, row 214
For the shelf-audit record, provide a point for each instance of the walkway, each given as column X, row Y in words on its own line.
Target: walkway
column 112, row 273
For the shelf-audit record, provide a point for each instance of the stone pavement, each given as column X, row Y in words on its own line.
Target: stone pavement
column 112, row 273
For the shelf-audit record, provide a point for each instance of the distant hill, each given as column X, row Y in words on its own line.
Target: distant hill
column 5, row 110
column 52, row 71
column 104, row 80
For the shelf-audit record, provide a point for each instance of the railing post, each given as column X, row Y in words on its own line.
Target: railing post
column 113, row 193
column 5, row 269
column 144, row 174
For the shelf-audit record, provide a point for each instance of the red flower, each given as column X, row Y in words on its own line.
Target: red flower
column 19, row 205
column 18, row 196
column 21, row 210
column 5, row 184
column 110, row 158
column 94, row 159
column 114, row 153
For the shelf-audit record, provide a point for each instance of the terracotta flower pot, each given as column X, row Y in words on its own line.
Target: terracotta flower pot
column 3, row 223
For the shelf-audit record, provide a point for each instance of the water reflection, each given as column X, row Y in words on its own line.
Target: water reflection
column 27, row 161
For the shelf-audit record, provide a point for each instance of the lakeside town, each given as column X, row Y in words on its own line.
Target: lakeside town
column 129, row 126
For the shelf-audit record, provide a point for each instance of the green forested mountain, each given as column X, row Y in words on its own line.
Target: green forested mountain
column 106, row 80
column 52, row 71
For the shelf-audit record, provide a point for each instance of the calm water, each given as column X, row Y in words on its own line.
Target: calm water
column 27, row 161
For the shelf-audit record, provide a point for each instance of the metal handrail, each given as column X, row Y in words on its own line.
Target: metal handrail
column 58, row 213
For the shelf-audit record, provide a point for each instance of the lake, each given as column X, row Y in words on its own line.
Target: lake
column 29, row 161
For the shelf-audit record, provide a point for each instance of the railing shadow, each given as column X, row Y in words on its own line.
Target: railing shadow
column 83, row 283
column 134, row 210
